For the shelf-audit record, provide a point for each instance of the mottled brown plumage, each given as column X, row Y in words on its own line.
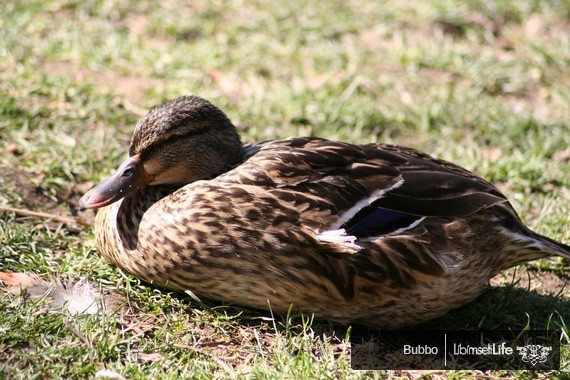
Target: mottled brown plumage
column 374, row 234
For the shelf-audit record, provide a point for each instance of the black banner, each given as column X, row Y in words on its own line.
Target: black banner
column 441, row 350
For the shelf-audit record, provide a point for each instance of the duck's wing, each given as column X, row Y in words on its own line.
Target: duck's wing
column 434, row 187
column 380, row 207
column 334, row 184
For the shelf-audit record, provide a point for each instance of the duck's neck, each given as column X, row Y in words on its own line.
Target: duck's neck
column 117, row 225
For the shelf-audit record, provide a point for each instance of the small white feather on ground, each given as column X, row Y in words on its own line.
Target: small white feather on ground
column 76, row 298
column 108, row 374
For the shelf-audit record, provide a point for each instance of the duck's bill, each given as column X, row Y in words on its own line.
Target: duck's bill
column 129, row 177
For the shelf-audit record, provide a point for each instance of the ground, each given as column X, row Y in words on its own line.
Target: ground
column 481, row 83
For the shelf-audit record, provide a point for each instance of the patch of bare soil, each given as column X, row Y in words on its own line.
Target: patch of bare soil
column 22, row 187
column 20, row 184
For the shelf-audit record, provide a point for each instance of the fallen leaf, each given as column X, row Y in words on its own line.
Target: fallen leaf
column 13, row 148
column 16, row 282
column 226, row 84
column 492, row 154
column 153, row 357
column 533, row 26
column 563, row 155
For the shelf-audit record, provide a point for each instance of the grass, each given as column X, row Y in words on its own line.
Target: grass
column 481, row 83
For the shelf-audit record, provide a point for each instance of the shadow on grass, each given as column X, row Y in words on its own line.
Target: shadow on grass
column 506, row 307
column 500, row 308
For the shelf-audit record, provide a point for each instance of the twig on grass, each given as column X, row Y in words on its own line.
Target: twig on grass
column 45, row 215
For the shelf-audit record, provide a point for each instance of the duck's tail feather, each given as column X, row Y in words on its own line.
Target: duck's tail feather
column 552, row 247
column 527, row 245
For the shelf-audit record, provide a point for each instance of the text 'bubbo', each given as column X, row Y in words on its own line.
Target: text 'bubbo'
column 420, row 350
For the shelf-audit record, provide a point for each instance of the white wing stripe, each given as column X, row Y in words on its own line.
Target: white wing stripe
column 348, row 214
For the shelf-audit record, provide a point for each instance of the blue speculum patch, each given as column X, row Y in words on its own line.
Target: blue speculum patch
column 375, row 221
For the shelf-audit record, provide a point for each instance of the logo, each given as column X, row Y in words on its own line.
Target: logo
column 534, row 353
column 448, row 349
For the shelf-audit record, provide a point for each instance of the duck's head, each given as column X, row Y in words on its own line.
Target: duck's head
column 179, row 142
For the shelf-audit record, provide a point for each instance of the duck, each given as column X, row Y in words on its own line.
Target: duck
column 375, row 234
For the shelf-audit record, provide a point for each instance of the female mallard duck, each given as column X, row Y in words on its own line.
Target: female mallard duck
column 373, row 234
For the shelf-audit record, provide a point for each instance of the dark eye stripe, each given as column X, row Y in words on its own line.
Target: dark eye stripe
column 153, row 148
